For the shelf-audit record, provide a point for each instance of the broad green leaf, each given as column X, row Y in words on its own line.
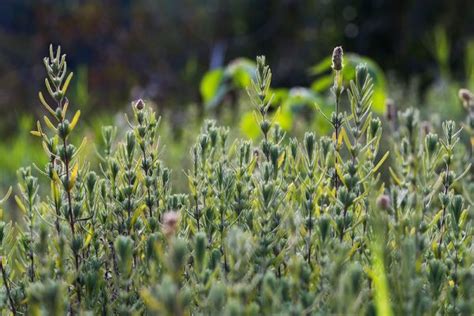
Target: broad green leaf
column 241, row 70
column 351, row 60
column 249, row 125
column 284, row 118
column 323, row 83
column 322, row 66
column 210, row 84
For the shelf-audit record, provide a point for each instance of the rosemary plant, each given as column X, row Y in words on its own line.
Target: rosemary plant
column 314, row 226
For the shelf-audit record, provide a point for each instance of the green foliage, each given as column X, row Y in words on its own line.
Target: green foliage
column 219, row 84
column 19, row 151
column 216, row 83
column 352, row 61
column 275, row 226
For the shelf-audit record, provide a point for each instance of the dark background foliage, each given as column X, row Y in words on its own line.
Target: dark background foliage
column 124, row 49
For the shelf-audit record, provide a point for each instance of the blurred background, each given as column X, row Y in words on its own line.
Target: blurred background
column 193, row 59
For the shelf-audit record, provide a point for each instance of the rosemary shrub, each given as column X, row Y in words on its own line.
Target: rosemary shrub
column 319, row 225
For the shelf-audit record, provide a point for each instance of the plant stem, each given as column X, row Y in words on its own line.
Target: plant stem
column 336, row 145
column 309, row 243
column 5, row 282
column 446, row 188
column 344, row 214
column 149, row 203
column 197, row 215
column 31, row 255
column 71, row 219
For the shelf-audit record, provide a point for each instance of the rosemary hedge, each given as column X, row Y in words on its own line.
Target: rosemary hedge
column 352, row 223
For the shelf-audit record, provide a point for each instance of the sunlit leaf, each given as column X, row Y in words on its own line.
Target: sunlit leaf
column 249, row 126
column 210, row 84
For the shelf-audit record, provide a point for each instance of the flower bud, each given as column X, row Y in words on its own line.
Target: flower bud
column 139, row 104
column 170, row 222
column 466, row 97
column 337, row 58
column 426, row 127
column 391, row 109
column 383, row 202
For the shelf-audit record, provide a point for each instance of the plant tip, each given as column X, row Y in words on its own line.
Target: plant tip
column 139, row 104
column 337, row 58
column 383, row 202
